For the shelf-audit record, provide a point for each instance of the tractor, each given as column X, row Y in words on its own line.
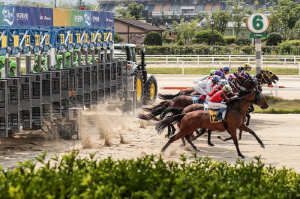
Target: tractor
column 144, row 83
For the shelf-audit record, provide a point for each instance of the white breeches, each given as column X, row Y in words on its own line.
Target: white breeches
column 213, row 105
column 200, row 90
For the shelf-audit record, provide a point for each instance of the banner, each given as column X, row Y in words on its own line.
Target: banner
column 25, row 16
column 48, row 17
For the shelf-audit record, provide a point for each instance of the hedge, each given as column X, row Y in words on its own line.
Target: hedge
column 285, row 48
column 147, row 177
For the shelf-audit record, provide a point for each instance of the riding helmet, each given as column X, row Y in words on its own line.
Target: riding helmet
column 231, row 76
column 226, row 68
column 227, row 88
column 240, row 69
column 248, row 66
column 212, row 72
column 216, row 78
column 219, row 73
column 223, row 82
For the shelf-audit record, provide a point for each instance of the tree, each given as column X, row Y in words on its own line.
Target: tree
column 238, row 11
column 135, row 10
column 185, row 30
column 288, row 13
column 153, row 39
column 221, row 20
column 274, row 39
column 201, row 16
column 29, row 3
column 118, row 38
column 205, row 36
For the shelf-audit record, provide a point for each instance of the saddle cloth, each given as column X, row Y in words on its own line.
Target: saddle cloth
column 196, row 99
column 213, row 114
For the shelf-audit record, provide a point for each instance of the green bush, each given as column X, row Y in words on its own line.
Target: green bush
column 153, row 39
column 243, row 42
column 180, row 42
column 248, row 50
column 274, row 39
column 230, row 39
column 267, row 49
column 169, row 40
column 205, row 36
column 118, row 38
column 295, row 42
column 147, row 177
column 284, row 47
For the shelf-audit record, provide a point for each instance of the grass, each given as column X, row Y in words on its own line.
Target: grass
column 280, row 106
column 205, row 71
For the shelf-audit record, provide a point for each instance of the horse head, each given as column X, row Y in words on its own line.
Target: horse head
column 263, row 78
column 260, row 100
column 273, row 78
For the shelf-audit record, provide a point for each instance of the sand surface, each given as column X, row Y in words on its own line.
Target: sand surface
column 111, row 133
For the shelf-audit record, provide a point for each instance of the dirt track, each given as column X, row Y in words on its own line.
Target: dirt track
column 280, row 134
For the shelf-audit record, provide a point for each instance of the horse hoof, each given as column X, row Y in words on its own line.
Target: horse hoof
column 262, row 145
column 210, row 144
column 197, row 150
column 220, row 138
column 166, row 136
column 243, row 157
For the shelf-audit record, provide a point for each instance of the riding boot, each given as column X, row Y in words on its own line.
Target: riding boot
column 218, row 116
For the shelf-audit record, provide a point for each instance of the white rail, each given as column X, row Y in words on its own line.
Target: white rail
column 213, row 60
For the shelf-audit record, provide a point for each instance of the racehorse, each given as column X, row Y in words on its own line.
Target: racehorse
column 263, row 78
column 272, row 76
column 187, row 91
column 234, row 119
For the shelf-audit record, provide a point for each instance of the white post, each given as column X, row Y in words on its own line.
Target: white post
column 213, row 61
column 249, row 60
column 198, row 59
column 285, row 62
column 182, row 68
column 294, row 60
column 177, row 61
column 258, row 54
column 230, row 61
column 167, row 61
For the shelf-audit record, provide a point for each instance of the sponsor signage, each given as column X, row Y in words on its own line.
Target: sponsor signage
column 25, row 16
column 47, row 17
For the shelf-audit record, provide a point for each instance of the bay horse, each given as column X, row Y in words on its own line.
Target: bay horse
column 272, row 76
column 187, row 91
column 263, row 78
column 234, row 119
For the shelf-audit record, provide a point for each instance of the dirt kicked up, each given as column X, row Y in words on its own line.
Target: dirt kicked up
column 111, row 133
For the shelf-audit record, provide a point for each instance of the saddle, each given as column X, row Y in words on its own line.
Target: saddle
column 197, row 100
column 213, row 114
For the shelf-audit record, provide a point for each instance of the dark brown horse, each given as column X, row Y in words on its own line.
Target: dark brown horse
column 187, row 91
column 272, row 76
column 234, row 119
column 263, row 78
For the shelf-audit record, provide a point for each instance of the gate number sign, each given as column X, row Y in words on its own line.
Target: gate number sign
column 257, row 24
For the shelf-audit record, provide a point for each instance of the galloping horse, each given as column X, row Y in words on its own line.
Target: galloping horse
column 272, row 76
column 187, row 91
column 234, row 119
column 263, row 77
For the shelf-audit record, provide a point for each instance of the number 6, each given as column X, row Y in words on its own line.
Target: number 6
column 257, row 23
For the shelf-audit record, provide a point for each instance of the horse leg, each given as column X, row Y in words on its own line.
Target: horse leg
column 169, row 132
column 235, row 141
column 201, row 133
column 240, row 135
column 183, row 141
column 209, row 139
column 173, row 129
column 248, row 118
column 247, row 129
column 173, row 139
column 224, row 139
column 187, row 137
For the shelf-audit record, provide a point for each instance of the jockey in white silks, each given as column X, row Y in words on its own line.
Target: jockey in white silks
column 205, row 87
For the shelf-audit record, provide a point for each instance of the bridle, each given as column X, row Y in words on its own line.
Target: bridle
column 258, row 96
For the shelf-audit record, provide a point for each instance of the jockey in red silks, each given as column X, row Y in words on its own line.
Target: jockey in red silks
column 205, row 87
column 216, row 100
column 219, row 87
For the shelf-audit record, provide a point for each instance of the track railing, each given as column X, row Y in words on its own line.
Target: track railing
column 215, row 60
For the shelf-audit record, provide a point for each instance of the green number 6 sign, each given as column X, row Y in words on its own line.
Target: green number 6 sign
column 258, row 23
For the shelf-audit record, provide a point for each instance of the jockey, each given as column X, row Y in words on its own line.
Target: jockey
column 220, row 73
column 207, row 77
column 215, row 102
column 43, row 64
column 219, row 87
column 234, row 85
column 205, row 87
column 226, row 70
column 12, row 68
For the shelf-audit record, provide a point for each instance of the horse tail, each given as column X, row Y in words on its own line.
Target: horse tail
column 167, row 96
column 156, row 106
column 159, row 110
column 147, row 117
column 160, row 126
column 173, row 110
